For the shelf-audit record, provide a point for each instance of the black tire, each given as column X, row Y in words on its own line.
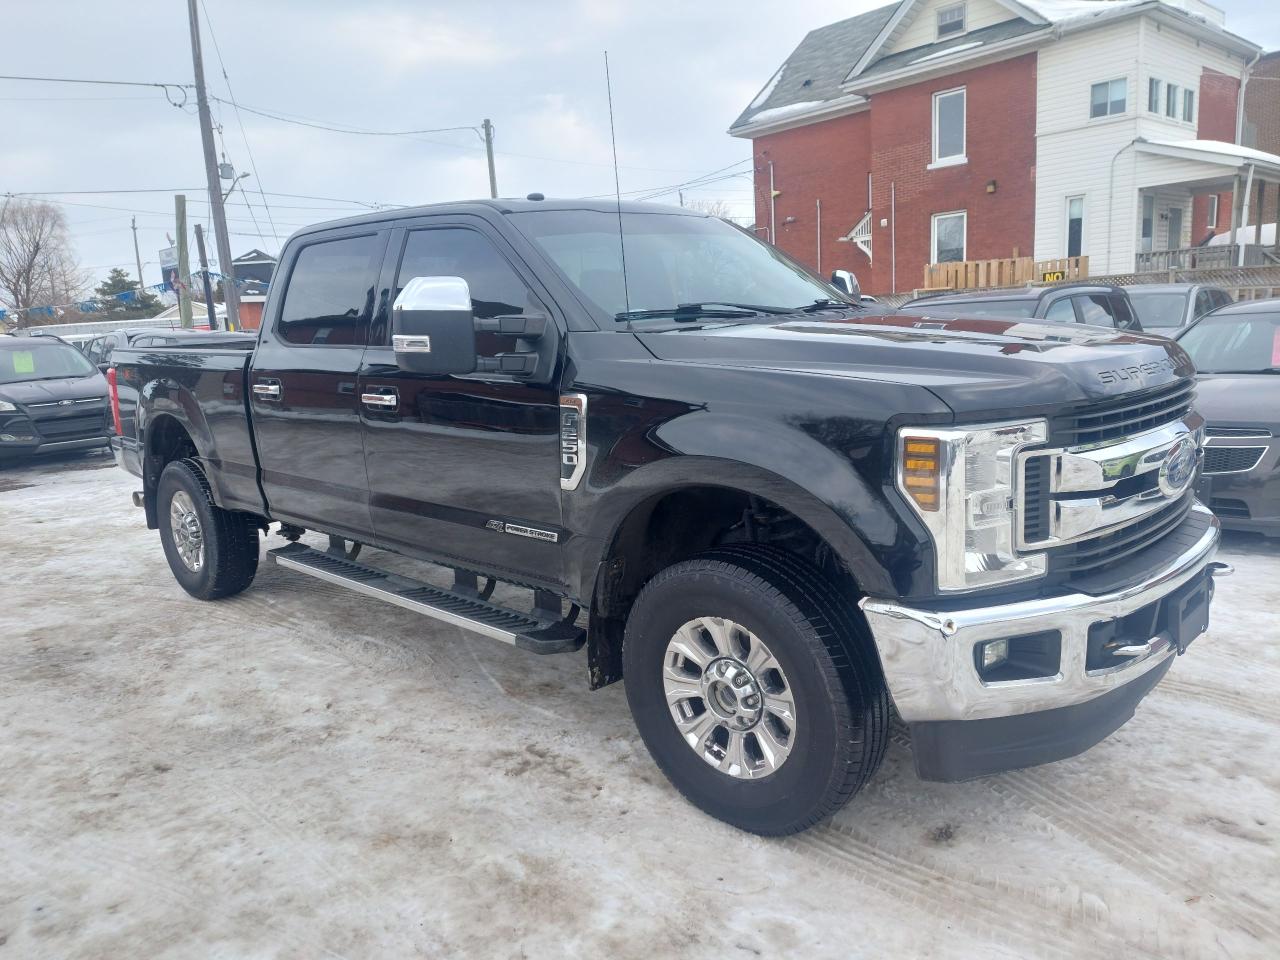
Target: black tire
column 230, row 539
column 819, row 639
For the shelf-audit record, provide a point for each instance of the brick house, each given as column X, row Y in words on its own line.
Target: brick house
column 929, row 131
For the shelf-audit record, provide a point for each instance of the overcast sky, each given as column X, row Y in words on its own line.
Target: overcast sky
column 682, row 71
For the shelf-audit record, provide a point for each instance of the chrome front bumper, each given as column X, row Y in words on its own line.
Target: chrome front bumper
column 928, row 656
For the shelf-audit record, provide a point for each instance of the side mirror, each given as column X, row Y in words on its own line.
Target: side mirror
column 432, row 327
column 845, row 280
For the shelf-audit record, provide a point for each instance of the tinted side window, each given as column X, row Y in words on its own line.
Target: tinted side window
column 330, row 295
column 1204, row 302
column 1095, row 308
column 1122, row 310
column 496, row 289
column 1061, row 311
column 1221, row 298
column 94, row 353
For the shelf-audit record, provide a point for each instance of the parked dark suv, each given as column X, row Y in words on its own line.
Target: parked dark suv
column 51, row 398
column 1096, row 304
column 99, row 349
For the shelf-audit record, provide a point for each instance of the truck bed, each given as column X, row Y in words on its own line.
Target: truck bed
column 202, row 387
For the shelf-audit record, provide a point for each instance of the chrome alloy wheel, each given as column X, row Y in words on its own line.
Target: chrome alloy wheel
column 188, row 536
column 729, row 698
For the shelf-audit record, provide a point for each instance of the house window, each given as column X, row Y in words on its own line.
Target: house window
column 1212, row 219
column 1188, row 105
column 1171, row 101
column 1075, row 226
column 950, row 20
column 949, row 231
column 1109, row 97
column 1153, row 95
column 948, row 126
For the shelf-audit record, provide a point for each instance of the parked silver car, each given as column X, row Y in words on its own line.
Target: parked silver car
column 1161, row 306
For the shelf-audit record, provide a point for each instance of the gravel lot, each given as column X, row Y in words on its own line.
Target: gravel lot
column 300, row 773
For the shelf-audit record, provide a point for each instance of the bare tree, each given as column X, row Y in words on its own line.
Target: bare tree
column 37, row 262
column 712, row 208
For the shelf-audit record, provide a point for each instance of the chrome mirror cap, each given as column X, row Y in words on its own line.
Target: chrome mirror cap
column 434, row 293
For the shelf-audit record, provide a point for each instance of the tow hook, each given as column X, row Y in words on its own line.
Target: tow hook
column 138, row 500
column 1219, row 569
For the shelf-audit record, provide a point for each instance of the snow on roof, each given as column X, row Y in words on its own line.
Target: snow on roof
column 777, row 113
column 1062, row 11
column 764, row 94
column 1219, row 148
column 948, row 51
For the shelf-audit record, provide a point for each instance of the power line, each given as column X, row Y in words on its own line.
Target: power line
column 318, row 125
column 166, row 87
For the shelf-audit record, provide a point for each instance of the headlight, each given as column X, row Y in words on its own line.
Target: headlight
column 7, row 407
column 962, row 484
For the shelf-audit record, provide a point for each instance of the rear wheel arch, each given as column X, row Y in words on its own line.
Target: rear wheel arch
column 165, row 440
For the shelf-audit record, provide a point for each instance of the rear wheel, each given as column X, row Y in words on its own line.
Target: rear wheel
column 212, row 552
column 755, row 688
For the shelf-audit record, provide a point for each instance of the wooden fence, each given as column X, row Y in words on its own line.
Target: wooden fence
column 1007, row 272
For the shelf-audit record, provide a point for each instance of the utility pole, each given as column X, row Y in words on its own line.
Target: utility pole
column 184, row 263
column 133, row 223
column 230, row 297
column 209, row 306
column 488, row 149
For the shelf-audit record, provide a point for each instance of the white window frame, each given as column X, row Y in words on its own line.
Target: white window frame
column 933, row 235
column 1066, row 224
column 947, row 9
column 1107, row 84
column 1154, row 86
column 1171, row 91
column 1188, row 105
column 954, row 159
column 1211, row 217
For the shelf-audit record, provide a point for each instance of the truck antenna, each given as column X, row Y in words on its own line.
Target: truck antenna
column 617, row 187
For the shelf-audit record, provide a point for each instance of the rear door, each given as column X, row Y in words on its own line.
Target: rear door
column 465, row 467
column 302, row 384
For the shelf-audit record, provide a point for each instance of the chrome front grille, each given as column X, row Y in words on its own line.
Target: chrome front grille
column 1106, row 494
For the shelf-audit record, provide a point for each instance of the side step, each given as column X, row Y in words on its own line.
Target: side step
column 528, row 631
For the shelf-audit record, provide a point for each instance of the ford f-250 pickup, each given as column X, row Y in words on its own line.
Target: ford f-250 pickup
column 770, row 512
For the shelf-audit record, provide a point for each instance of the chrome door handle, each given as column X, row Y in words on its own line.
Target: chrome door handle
column 381, row 399
column 269, row 391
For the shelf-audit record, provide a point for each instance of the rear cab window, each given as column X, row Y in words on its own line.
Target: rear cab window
column 330, row 296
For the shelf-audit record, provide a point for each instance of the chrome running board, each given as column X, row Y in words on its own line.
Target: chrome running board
column 528, row 631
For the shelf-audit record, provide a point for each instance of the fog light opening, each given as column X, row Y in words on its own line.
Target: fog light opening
column 994, row 653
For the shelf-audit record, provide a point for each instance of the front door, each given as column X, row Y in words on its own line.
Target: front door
column 1175, row 228
column 464, row 468
column 306, row 416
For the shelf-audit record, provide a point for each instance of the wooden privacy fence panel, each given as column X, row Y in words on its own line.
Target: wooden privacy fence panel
column 1005, row 272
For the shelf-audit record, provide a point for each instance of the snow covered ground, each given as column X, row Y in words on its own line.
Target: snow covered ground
column 300, row 773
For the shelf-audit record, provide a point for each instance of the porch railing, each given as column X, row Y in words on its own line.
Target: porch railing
column 1205, row 258
column 1006, row 272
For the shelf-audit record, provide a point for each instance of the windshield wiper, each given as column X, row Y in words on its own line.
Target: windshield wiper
column 819, row 305
column 709, row 309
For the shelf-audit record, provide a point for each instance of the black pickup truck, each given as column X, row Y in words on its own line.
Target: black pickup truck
column 774, row 514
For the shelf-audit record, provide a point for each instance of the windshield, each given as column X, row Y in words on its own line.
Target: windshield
column 670, row 260
column 49, row 360
column 1159, row 309
column 1235, row 343
column 974, row 308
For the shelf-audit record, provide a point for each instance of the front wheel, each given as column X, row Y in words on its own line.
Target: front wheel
column 212, row 552
column 755, row 687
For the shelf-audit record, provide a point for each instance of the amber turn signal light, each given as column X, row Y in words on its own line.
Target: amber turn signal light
column 922, row 470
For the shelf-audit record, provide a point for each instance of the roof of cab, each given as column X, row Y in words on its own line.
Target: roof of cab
column 1269, row 305
column 500, row 205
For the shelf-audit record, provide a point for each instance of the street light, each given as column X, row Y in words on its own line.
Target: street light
column 231, row 188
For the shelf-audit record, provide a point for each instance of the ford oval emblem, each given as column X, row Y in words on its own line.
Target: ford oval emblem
column 1179, row 467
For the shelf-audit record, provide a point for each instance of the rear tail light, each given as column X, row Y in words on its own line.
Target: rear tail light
column 114, row 394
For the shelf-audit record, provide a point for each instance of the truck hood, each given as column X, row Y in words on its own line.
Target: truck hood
column 48, row 391
column 974, row 365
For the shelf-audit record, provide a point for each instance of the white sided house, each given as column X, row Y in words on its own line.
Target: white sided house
column 1136, row 123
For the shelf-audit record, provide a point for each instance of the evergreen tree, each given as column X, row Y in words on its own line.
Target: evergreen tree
column 119, row 281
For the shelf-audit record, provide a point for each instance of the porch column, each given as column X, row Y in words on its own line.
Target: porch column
column 1235, row 208
column 1276, row 238
column 1257, row 220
